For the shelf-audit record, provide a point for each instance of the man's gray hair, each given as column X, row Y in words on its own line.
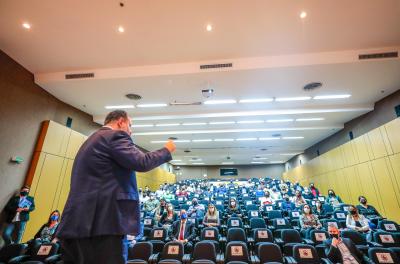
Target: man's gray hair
column 115, row 115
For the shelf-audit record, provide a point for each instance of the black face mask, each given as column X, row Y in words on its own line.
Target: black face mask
column 353, row 212
column 23, row 193
column 334, row 236
column 287, row 199
column 363, row 201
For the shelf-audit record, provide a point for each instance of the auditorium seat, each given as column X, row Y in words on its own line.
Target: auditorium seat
column 307, row 254
column 157, row 238
column 212, row 234
column 386, row 239
column 269, row 253
column 11, row 251
column 236, row 234
column 204, row 253
column 140, row 253
column 236, row 253
column 383, row 255
column 173, row 253
column 389, row 226
column 358, row 239
column 318, row 237
column 42, row 253
column 290, row 238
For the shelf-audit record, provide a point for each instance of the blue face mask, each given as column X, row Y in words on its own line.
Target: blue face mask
column 183, row 216
column 54, row 218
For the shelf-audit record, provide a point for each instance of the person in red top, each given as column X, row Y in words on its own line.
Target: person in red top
column 314, row 191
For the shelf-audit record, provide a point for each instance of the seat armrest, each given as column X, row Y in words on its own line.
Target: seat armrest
column 309, row 242
column 201, row 226
column 186, row 259
column 278, row 241
column 254, row 259
column 220, row 258
column 53, row 259
column 223, row 226
column 296, row 228
column 246, row 226
column 250, row 240
column 222, row 239
column 290, row 260
column 144, row 238
column 19, row 259
column 270, row 227
column 326, row 261
column 153, row 258
column 374, row 244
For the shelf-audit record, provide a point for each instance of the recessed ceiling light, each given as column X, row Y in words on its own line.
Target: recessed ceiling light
column 303, row 15
column 176, row 160
column 246, row 139
column 260, row 158
column 142, row 125
column 310, row 119
column 167, row 125
column 258, row 162
column 119, row 106
column 260, row 100
column 180, row 163
column 194, row 124
column 227, row 163
column 250, row 122
column 217, row 102
column 223, row 139
column 287, row 99
column 334, row 96
column 121, row 29
column 151, row 105
column 158, row 141
column 201, row 140
column 277, row 161
column 292, row 137
column 288, row 154
column 26, row 25
column 198, row 163
column 222, row 123
column 269, row 138
column 279, row 120
column 209, row 27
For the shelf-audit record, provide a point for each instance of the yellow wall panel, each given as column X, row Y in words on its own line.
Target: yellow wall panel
column 38, row 170
column 392, row 131
column 386, row 140
column 360, row 149
column 65, row 186
column 56, row 140
column 353, row 183
column 387, row 189
column 44, row 194
column 395, row 165
column 348, row 154
column 75, row 141
column 377, row 144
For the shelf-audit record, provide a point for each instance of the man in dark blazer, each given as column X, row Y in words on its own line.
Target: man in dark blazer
column 17, row 212
column 183, row 231
column 103, row 203
column 342, row 250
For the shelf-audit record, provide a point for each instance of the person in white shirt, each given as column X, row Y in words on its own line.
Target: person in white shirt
column 358, row 222
column 275, row 194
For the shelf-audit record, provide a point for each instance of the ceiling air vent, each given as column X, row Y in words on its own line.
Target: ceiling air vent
column 215, row 66
column 312, row 86
column 79, row 75
column 383, row 55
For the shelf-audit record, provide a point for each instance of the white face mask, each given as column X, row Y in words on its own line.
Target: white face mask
column 233, row 203
column 307, row 210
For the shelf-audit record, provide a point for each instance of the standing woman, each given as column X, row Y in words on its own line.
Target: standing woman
column 211, row 218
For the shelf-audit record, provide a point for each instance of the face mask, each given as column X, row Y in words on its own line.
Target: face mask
column 54, row 218
column 195, row 203
column 23, row 193
column 298, row 195
column 353, row 212
column 330, row 194
column 287, row 199
column 170, row 208
column 233, row 203
column 363, row 201
column 334, row 236
column 307, row 210
column 212, row 210
column 183, row 216
column 267, row 195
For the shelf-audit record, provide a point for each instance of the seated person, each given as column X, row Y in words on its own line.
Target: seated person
column 287, row 206
column 161, row 209
column 308, row 221
column 211, row 218
column 47, row 233
column 314, row 190
column 275, row 194
column 183, row 231
column 365, row 209
column 233, row 208
column 196, row 210
column 168, row 217
column 160, row 191
column 298, row 199
column 307, row 194
column 266, row 199
column 168, row 196
column 358, row 222
column 151, row 205
column 342, row 250
column 319, row 210
column 333, row 199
